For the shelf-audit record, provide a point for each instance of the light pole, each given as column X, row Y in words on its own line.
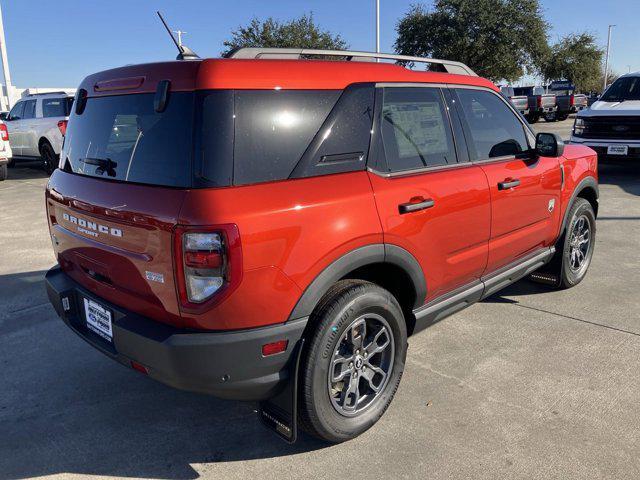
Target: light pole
column 377, row 26
column 5, row 65
column 179, row 33
column 606, row 60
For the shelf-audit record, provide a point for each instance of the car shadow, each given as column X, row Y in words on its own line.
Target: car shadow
column 625, row 175
column 66, row 408
column 26, row 170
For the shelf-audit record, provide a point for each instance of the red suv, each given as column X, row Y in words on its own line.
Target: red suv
column 269, row 224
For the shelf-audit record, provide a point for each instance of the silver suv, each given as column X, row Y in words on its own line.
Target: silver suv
column 36, row 125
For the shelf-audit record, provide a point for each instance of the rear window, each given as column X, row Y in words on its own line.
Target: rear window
column 123, row 138
column 56, row 107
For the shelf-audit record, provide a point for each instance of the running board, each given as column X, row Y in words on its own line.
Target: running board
column 457, row 300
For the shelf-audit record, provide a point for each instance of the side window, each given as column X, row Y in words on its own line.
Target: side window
column 55, row 107
column 342, row 143
column 29, row 109
column 16, row 111
column 415, row 127
column 273, row 129
column 492, row 128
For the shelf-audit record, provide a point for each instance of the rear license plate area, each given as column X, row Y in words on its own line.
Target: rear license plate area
column 98, row 319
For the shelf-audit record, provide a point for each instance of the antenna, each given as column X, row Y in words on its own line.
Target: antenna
column 184, row 52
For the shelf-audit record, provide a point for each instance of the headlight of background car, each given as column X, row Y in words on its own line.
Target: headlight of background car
column 578, row 127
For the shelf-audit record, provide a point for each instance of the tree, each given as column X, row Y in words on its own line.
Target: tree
column 577, row 58
column 499, row 39
column 301, row 32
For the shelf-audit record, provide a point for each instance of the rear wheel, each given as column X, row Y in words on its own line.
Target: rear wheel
column 563, row 117
column 354, row 361
column 532, row 118
column 579, row 243
column 49, row 158
column 3, row 172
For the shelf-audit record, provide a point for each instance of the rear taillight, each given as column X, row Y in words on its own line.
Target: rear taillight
column 4, row 133
column 62, row 126
column 572, row 100
column 539, row 100
column 208, row 264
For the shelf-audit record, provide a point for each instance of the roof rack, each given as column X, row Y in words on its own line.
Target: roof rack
column 60, row 92
column 299, row 53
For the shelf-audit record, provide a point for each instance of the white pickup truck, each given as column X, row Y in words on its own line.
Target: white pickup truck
column 36, row 126
column 611, row 126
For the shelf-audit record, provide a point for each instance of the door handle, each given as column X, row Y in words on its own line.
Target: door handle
column 508, row 184
column 415, row 207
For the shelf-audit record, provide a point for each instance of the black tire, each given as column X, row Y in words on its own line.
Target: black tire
column 575, row 265
column 532, row 118
column 562, row 118
column 3, row 172
column 346, row 303
column 49, row 158
column 11, row 163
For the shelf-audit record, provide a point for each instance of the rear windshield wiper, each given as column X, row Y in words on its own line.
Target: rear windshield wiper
column 104, row 165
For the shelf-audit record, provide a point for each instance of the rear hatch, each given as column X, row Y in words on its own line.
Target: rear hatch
column 113, row 205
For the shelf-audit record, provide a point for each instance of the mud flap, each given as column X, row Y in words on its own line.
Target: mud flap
column 280, row 413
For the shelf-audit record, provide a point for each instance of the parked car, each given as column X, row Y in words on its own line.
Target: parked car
column 540, row 103
column 37, row 124
column 273, row 229
column 612, row 125
column 5, row 151
column 567, row 100
column 519, row 102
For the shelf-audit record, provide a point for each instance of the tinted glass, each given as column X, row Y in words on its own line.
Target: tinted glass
column 16, row 111
column 416, row 132
column 493, row 128
column 29, row 109
column 342, row 143
column 214, row 143
column 273, row 128
column 123, row 138
column 627, row 88
column 56, row 107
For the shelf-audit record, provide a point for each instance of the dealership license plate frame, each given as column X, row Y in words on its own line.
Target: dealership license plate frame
column 618, row 150
column 98, row 319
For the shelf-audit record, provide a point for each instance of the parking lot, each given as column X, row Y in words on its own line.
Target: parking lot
column 530, row 383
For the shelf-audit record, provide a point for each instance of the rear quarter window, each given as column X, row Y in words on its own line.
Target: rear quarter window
column 273, row 128
column 56, row 107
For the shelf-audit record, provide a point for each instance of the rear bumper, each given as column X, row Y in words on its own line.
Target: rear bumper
column 224, row 364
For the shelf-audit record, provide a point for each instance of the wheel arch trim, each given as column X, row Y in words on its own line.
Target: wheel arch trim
column 585, row 183
column 357, row 258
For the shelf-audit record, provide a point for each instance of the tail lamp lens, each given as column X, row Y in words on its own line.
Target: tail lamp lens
column 4, row 133
column 62, row 126
column 572, row 100
column 539, row 101
column 204, row 265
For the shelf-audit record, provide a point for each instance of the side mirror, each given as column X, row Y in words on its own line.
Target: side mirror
column 549, row 145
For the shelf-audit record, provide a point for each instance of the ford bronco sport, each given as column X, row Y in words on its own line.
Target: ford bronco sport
column 271, row 227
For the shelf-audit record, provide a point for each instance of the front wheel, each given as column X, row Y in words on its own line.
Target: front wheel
column 579, row 243
column 354, row 361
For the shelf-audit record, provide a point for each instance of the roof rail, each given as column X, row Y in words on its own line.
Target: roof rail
column 298, row 53
column 61, row 92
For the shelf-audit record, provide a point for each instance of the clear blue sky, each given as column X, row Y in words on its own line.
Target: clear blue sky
column 57, row 43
